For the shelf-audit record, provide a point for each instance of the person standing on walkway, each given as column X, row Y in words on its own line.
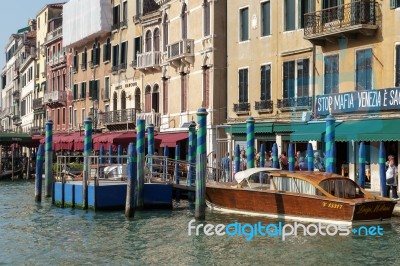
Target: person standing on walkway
column 226, row 167
column 391, row 182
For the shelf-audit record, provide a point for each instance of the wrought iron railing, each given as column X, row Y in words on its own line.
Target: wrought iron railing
column 180, row 49
column 122, row 66
column 120, row 116
column 241, row 107
column 37, row 131
column 340, row 17
column 264, row 105
column 37, row 103
column 300, row 102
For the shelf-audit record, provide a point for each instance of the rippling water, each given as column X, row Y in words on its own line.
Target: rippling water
column 40, row 234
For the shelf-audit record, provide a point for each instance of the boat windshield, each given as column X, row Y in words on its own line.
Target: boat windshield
column 291, row 184
column 341, row 188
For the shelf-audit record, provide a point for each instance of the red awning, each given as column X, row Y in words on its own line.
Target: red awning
column 37, row 140
column 170, row 139
column 125, row 138
column 105, row 139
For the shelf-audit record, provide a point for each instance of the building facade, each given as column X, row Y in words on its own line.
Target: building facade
column 315, row 58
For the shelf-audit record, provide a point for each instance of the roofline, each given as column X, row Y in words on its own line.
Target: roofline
column 55, row 5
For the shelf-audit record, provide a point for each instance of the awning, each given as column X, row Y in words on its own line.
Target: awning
column 369, row 130
column 259, row 136
column 287, row 127
column 105, row 139
column 170, row 139
column 10, row 138
column 307, row 132
column 262, row 127
column 125, row 138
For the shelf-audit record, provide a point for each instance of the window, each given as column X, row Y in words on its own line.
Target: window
column 244, row 24
column 290, row 15
column 397, row 67
column 305, row 6
column 288, row 79
column 95, row 54
column 115, row 55
column 123, row 100
column 330, row 3
column 116, row 18
column 147, row 99
column 106, row 51
column 123, row 54
column 115, row 101
column 155, row 100
column 125, row 11
column 265, row 83
column 295, row 86
column 138, row 8
column 137, row 49
column 303, row 77
column 206, row 86
column 137, row 99
column 165, row 96
column 364, row 69
column 165, row 35
column 107, row 88
column 84, row 59
column 75, row 92
column 206, row 18
column 394, row 4
column 184, row 21
column 183, row 92
column 265, row 18
column 156, row 40
column 148, row 41
column 83, row 116
column 94, row 89
column 83, row 90
column 76, row 61
column 70, row 115
column 331, row 74
column 243, row 86
column 75, row 122
column 63, row 116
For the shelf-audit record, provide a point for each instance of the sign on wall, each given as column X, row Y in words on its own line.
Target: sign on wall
column 358, row 101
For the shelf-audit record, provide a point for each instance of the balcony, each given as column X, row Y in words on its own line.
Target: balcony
column 182, row 51
column 37, row 103
column 120, row 119
column 293, row 104
column 264, row 106
column 58, row 61
column 53, row 34
column 16, row 95
column 149, row 60
column 37, row 131
column 114, row 26
column 358, row 17
column 55, row 98
column 241, row 108
column 151, row 118
column 6, row 111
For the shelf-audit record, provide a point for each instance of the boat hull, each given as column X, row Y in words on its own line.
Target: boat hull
column 296, row 206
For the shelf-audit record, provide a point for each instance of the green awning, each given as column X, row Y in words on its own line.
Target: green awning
column 308, row 132
column 369, row 130
column 260, row 137
column 10, row 138
column 264, row 127
column 287, row 127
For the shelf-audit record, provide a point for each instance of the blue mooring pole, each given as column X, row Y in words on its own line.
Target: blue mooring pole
column 130, row 188
column 177, row 177
column 166, row 153
column 101, row 155
column 140, row 142
column 250, row 138
column 291, row 157
column 48, row 169
column 110, row 152
column 310, row 157
column 39, row 173
column 361, row 166
column 275, row 162
column 237, row 159
column 150, row 147
column 87, row 151
column 201, row 165
column 119, row 154
column 382, row 169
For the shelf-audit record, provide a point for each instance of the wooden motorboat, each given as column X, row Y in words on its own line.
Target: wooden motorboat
column 312, row 196
column 7, row 174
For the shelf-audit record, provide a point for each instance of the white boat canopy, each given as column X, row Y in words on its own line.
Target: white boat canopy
column 246, row 174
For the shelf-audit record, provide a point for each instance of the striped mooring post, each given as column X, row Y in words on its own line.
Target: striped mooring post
column 119, row 152
column 150, row 146
column 110, row 152
column 39, row 173
column 48, row 169
column 192, row 153
column 201, row 165
column 333, row 160
column 87, row 151
column 237, row 159
column 361, row 165
column 382, row 169
column 291, row 157
column 177, row 177
column 310, row 157
column 140, row 142
column 250, row 137
column 130, row 188
column 262, row 155
column 166, row 154
column 101, row 155
column 275, row 161
column 329, row 139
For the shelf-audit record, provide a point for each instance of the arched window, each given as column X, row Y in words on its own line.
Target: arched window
column 148, row 41
column 123, row 100
column 155, row 100
column 156, row 40
column 147, row 99
column 115, row 101
column 165, row 35
column 137, row 99
column 184, row 21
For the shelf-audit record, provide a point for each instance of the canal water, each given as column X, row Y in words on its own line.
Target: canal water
column 41, row 234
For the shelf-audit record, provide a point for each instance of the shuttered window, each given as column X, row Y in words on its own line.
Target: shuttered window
column 364, row 69
column 147, row 100
column 244, row 24
column 290, row 15
column 243, row 86
column 331, row 74
column 288, row 79
column 303, row 77
column 265, row 17
column 265, row 83
column 206, row 87
column 183, row 92
column 165, row 96
column 206, row 18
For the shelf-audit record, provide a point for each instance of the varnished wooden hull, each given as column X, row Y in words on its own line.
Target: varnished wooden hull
column 296, row 205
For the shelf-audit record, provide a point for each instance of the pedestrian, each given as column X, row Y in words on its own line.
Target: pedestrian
column 283, row 161
column 391, row 182
column 226, row 167
column 243, row 160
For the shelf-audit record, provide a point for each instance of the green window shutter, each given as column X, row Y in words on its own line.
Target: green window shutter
column 90, row 88
column 104, row 52
column 392, row 4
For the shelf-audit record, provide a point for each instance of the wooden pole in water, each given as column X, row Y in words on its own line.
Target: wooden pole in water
column 310, row 157
column 275, row 161
column 201, row 165
column 48, row 169
column 87, row 150
column 382, row 168
column 110, row 151
column 140, row 142
column 150, row 147
column 291, row 157
column 101, row 155
column 130, row 187
column 165, row 166
column 12, row 162
column 361, row 165
column 39, row 173
column 177, row 178
column 119, row 151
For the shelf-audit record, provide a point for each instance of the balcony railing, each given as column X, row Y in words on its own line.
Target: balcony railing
column 264, row 106
column 149, row 60
column 115, row 26
column 6, row 111
column 120, row 116
column 54, row 34
column 183, row 49
column 295, row 103
column 122, row 67
column 37, row 103
column 150, row 118
column 359, row 16
column 57, row 60
column 37, row 131
column 243, row 107
column 55, row 97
